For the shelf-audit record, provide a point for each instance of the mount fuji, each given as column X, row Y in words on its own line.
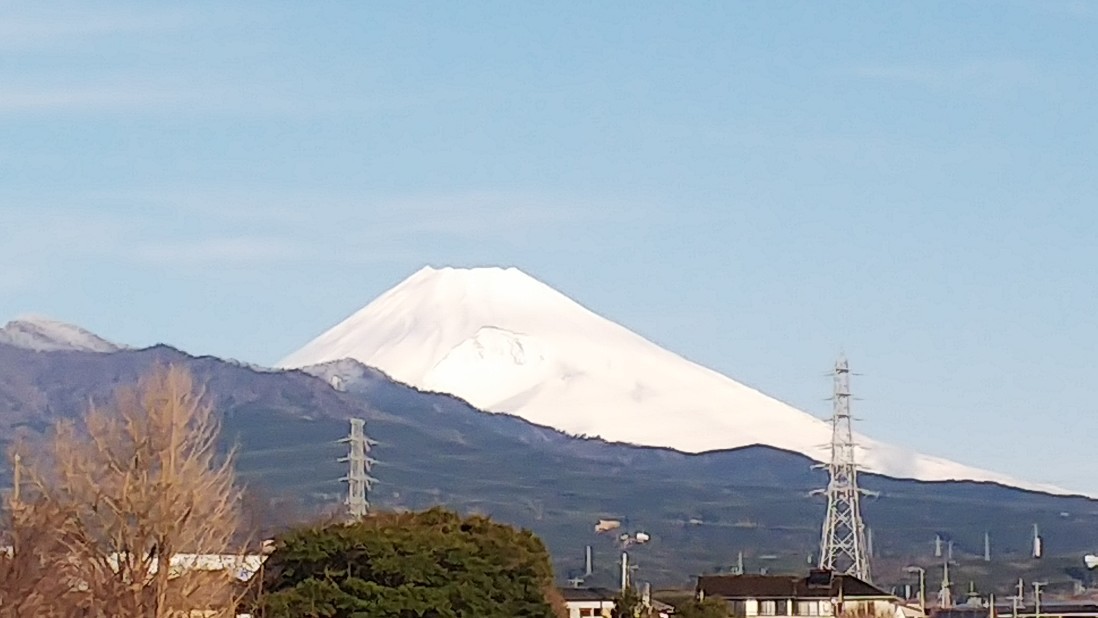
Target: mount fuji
column 505, row 342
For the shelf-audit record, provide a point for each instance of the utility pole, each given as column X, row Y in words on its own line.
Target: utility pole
column 16, row 479
column 359, row 463
column 922, row 590
column 937, row 546
column 945, row 595
column 1037, row 598
column 624, row 571
column 987, row 547
column 843, row 546
column 625, row 541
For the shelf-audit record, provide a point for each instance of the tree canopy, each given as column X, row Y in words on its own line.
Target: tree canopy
column 432, row 564
column 709, row 608
column 629, row 604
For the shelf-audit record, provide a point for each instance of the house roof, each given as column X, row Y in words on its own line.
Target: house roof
column 588, row 594
column 817, row 585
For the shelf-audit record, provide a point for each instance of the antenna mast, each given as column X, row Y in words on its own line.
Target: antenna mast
column 843, row 546
column 359, row 463
column 945, row 594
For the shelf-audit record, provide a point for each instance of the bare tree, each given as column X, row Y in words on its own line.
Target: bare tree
column 32, row 571
column 138, row 483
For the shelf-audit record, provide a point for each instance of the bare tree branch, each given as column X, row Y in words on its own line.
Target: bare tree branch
column 135, row 496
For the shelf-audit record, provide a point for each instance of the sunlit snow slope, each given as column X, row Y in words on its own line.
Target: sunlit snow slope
column 505, row 342
column 44, row 334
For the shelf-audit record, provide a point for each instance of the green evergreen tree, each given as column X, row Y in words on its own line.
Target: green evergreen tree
column 628, row 604
column 709, row 608
column 433, row 564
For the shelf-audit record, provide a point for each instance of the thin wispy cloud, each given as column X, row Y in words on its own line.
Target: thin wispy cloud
column 14, row 278
column 75, row 27
column 972, row 74
column 70, row 235
column 65, row 60
column 233, row 250
column 112, row 99
column 62, row 62
column 475, row 215
column 469, row 213
column 140, row 93
column 37, row 241
column 236, row 230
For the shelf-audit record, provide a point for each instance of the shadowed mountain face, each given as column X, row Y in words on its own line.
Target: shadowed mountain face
column 435, row 449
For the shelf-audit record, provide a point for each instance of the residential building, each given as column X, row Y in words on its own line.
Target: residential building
column 588, row 602
column 819, row 594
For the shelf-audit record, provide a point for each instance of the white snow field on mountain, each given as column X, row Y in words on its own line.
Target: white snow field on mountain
column 505, row 342
column 45, row 335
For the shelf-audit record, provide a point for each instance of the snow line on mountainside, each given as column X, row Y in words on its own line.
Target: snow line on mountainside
column 506, row 342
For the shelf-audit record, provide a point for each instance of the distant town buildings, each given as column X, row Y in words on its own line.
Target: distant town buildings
column 1085, row 610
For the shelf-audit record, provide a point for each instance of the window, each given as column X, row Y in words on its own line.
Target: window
column 768, row 608
column 737, row 608
column 781, row 608
column 808, row 608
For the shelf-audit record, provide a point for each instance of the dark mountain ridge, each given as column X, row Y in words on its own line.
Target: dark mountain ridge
column 701, row 509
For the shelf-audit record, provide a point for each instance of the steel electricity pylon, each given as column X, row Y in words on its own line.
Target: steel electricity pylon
column 843, row 545
column 359, row 463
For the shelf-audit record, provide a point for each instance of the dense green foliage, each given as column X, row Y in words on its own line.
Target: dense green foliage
column 433, row 564
column 709, row 608
column 628, row 604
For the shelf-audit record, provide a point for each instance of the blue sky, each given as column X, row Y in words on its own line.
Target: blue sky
column 756, row 186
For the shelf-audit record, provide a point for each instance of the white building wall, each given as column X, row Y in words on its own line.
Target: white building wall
column 874, row 607
column 593, row 608
column 819, row 608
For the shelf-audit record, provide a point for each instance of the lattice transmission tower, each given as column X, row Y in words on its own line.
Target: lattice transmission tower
column 359, row 462
column 843, row 546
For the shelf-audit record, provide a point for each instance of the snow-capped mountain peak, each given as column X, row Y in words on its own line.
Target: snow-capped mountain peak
column 506, row 342
column 45, row 334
